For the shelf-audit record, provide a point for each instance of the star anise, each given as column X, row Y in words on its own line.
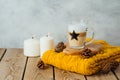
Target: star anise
column 60, row 46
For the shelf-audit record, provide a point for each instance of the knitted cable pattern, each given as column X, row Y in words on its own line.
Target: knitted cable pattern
column 85, row 66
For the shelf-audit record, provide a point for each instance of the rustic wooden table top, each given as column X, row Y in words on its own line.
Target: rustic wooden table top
column 15, row 66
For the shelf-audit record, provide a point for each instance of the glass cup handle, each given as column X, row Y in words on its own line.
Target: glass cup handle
column 92, row 39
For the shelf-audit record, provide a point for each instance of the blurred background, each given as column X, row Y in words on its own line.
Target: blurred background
column 20, row 19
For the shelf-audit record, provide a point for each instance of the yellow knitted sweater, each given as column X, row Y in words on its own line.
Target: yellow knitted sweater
column 85, row 66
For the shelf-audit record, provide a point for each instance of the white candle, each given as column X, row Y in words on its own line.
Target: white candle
column 31, row 47
column 46, row 43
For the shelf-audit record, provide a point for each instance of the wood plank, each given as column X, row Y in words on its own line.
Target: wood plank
column 109, row 76
column 12, row 65
column 66, row 75
column 117, row 72
column 34, row 73
column 1, row 53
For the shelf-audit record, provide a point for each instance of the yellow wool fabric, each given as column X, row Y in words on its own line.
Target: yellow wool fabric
column 77, row 64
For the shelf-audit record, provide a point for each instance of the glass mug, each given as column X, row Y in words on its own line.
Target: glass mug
column 77, row 34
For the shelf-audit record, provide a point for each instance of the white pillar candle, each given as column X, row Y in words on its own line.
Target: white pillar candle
column 46, row 43
column 31, row 47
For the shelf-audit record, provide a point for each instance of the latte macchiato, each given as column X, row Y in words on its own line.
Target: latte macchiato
column 77, row 41
column 77, row 35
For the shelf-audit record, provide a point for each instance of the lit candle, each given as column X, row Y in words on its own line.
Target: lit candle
column 31, row 47
column 46, row 43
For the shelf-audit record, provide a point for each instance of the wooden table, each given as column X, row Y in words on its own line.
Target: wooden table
column 15, row 66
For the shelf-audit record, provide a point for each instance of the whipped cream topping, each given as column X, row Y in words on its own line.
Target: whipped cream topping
column 77, row 27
